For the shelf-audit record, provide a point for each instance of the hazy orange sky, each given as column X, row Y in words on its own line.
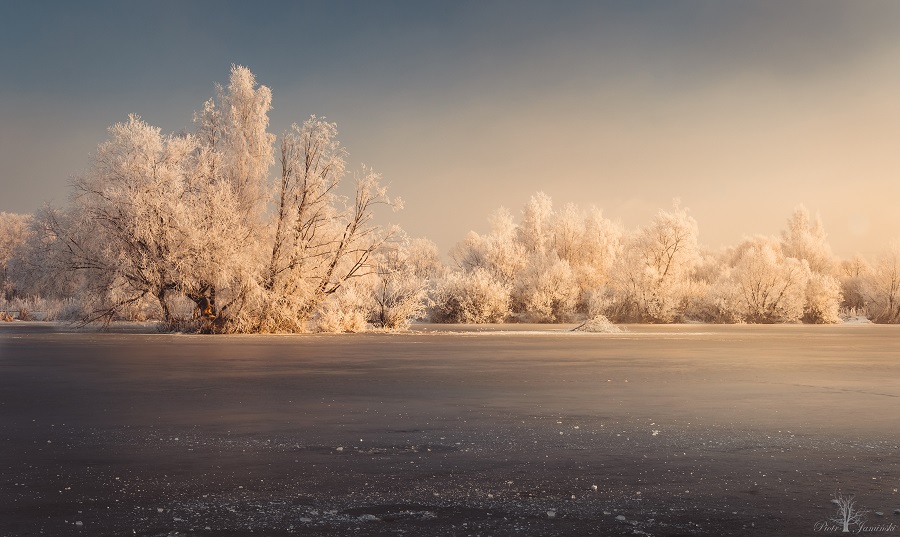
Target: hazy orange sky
column 740, row 109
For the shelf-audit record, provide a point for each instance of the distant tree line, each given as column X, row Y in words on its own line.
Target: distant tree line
column 192, row 230
column 555, row 266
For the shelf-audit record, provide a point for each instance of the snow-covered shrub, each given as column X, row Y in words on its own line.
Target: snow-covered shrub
column 823, row 299
column 853, row 273
column 398, row 301
column 721, row 301
column 470, row 297
column 344, row 311
column 69, row 310
column 548, row 291
column 399, row 287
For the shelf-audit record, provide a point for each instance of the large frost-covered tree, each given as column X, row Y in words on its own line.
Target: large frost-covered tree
column 320, row 240
column 164, row 217
column 151, row 218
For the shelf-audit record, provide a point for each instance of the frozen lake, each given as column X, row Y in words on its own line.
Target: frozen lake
column 684, row 430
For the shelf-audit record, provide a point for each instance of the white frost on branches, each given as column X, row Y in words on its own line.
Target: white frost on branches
column 158, row 218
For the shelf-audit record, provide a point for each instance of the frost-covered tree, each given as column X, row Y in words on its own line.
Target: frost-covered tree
column 652, row 277
column 881, row 286
column 158, row 216
column 233, row 128
column 589, row 244
column 765, row 280
column 852, row 277
column 14, row 232
column 235, row 152
column 805, row 239
column 500, row 252
column 599, row 246
column 533, row 232
column 761, row 285
column 133, row 230
column 320, row 239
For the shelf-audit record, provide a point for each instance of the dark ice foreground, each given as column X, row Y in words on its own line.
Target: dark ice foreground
column 662, row 430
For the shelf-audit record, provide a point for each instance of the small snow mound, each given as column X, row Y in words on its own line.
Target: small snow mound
column 599, row 324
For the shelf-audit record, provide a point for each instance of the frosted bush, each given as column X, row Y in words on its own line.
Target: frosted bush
column 32, row 308
column 399, row 299
column 343, row 311
column 474, row 297
column 823, row 300
column 548, row 291
column 399, row 287
column 69, row 309
column 854, row 272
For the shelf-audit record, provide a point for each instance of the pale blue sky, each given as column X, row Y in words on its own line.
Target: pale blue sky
column 741, row 109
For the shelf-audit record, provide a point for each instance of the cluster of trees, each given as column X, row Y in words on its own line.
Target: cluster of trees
column 190, row 229
column 194, row 230
column 554, row 266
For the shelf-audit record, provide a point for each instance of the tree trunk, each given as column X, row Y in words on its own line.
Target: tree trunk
column 161, row 296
